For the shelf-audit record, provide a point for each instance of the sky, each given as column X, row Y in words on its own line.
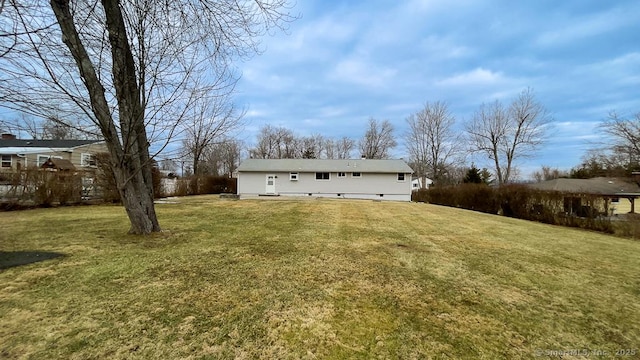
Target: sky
column 343, row 62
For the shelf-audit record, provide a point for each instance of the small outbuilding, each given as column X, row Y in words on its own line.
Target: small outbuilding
column 349, row 178
column 56, row 164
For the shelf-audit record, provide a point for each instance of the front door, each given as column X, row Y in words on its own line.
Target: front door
column 271, row 184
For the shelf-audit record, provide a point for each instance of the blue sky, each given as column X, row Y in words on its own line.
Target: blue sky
column 343, row 62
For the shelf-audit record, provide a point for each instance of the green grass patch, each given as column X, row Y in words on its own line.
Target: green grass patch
column 312, row 279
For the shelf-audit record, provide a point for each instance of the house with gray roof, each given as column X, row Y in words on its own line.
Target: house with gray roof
column 612, row 190
column 347, row 179
column 23, row 153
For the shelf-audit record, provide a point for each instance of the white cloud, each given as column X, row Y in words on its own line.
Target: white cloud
column 475, row 77
column 254, row 114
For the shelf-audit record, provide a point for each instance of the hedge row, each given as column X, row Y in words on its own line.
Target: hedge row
column 198, row 185
column 41, row 188
column 519, row 201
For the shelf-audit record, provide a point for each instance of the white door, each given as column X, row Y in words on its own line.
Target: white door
column 271, row 184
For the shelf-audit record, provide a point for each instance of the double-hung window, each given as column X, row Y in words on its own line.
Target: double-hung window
column 6, row 161
column 87, row 159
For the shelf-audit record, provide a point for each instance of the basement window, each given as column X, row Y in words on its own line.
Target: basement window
column 293, row 176
column 323, row 176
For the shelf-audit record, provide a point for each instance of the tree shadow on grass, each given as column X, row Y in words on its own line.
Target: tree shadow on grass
column 9, row 259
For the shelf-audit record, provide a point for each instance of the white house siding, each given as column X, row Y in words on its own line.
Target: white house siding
column 368, row 186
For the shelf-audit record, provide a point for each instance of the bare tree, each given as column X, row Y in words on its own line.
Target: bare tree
column 128, row 67
column 329, row 146
column 223, row 158
column 210, row 120
column 312, row 147
column 625, row 133
column 274, row 143
column 51, row 127
column 487, row 131
column 431, row 140
column 282, row 143
column 339, row 149
column 508, row 134
column 378, row 140
column 548, row 173
column 344, row 147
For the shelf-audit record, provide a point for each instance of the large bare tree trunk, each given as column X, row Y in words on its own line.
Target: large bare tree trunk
column 130, row 159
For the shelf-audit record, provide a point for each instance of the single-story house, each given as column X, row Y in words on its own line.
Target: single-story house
column 353, row 179
column 612, row 190
column 22, row 153
column 416, row 183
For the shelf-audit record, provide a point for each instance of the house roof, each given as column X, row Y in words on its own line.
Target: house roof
column 323, row 165
column 26, row 146
column 600, row 185
column 27, row 143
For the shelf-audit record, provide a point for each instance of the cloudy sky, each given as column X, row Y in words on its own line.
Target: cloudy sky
column 343, row 62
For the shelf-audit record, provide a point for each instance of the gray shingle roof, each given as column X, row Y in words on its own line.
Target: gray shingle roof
column 5, row 143
column 600, row 185
column 321, row 165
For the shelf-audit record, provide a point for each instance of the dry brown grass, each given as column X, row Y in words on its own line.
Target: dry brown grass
column 312, row 279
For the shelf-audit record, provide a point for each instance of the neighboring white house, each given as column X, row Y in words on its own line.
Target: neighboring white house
column 350, row 179
column 416, row 184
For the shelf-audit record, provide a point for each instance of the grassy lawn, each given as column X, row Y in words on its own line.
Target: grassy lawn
column 312, row 279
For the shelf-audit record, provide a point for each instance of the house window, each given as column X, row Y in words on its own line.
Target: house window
column 293, row 176
column 342, row 174
column 356, row 174
column 87, row 160
column 400, row 176
column 6, row 161
column 42, row 159
column 323, row 176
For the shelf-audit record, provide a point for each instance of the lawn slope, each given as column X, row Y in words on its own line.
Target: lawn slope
column 312, row 279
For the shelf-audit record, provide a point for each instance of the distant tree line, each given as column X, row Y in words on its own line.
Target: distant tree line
column 435, row 147
column 282, row 143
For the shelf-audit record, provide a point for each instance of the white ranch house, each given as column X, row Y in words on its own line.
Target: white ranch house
column 349, row 179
